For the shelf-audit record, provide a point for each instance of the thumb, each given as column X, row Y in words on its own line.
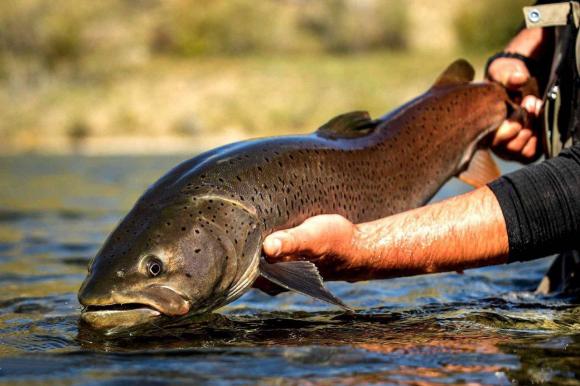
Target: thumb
column 289, row 242
column 517, row 79
column 273, row 244
column 314, row 237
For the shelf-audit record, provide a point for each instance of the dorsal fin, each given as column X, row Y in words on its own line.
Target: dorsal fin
column 458, row 72
column 349, row 125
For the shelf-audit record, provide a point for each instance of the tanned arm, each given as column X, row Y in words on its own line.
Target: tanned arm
column 462, row 232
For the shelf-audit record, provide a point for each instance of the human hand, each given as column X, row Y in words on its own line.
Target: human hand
column 515, row 140
column 326, row 240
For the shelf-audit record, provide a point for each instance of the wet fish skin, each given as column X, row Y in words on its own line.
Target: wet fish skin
column 205, row 220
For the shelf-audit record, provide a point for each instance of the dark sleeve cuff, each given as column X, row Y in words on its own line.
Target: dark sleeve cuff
column 541, row 206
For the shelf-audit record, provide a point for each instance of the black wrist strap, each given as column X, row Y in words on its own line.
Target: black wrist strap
column 530, row 63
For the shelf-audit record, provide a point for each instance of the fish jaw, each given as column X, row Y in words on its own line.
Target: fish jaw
column 112, row 319
column 124, row 310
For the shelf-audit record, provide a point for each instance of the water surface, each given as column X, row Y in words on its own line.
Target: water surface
column 485, row 326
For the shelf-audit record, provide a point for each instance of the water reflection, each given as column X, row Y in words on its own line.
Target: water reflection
column 482, row 327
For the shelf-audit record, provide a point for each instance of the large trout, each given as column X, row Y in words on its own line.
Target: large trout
column 192, row 242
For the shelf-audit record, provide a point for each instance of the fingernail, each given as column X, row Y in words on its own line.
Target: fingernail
column 275, row 246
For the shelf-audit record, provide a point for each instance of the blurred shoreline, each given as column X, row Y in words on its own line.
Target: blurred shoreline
column 119, row 145
column 189, row 106
column 178, row 76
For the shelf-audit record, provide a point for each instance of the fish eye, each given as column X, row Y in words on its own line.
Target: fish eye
column 154, row 266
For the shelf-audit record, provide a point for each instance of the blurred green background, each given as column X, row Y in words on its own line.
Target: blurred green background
column 141, row 76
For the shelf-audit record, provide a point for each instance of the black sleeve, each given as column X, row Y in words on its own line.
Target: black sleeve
column 541, row 206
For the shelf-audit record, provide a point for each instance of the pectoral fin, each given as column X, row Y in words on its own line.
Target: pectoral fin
column 300, row 276
column 481, row 170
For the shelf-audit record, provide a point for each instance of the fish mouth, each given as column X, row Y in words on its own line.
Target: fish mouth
column 122, row 311
column 119, row 316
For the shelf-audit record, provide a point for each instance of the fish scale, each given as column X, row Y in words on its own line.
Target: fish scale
column 205, row 220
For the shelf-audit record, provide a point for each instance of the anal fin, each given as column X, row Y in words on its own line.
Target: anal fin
column 481, row 170
column 300, row 276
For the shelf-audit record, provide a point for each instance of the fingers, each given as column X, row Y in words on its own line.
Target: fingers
column 517, row 144
column 530, row 150
column 532, row 104
column 506, row 132
column 510, row 129
column 316, row 236
column 510, row 72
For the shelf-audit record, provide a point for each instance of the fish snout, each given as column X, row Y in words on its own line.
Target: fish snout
column 91, row 293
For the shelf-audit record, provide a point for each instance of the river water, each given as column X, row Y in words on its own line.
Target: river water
column 483, row 327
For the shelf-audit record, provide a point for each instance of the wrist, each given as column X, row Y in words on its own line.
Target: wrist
column 529, row 42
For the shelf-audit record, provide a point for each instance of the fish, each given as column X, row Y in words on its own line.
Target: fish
column 192, row 243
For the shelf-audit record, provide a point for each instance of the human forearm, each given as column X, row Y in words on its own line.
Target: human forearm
column 462, row 232
column 529, row 42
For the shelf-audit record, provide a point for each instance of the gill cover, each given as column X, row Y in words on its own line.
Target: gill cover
column 236, row 226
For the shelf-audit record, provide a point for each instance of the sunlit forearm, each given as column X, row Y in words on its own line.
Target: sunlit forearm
column 462, row 232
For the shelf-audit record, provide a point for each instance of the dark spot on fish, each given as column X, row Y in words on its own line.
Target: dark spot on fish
column 188, row 274
column 197, row 250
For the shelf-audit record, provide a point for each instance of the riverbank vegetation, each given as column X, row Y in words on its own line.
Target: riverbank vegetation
column 122, row 74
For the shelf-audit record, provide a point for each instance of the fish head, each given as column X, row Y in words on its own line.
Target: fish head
column 170, row 262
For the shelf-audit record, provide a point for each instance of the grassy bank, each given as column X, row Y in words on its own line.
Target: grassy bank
column 173, row 105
